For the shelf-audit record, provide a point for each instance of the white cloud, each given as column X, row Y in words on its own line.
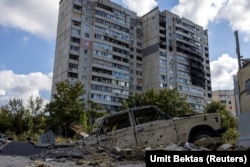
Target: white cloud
column 23, row 86
column 38, row 18
column 25, row 38
column 41, row 18
column 222, row 71
column 237, row 12
column 140, row 6
column 2, row 92
column 200, row 12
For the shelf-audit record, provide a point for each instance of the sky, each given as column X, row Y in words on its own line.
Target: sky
column 28, row 36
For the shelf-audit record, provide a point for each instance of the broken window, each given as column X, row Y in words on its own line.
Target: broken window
column 116, row 122
column 247, row 83
column 147, row 115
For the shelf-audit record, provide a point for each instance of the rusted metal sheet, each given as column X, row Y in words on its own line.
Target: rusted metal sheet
column 47, row 138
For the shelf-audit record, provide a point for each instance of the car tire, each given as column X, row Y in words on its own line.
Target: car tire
column 202, row 134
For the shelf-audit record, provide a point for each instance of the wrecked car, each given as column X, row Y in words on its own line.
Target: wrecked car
column 148, row 125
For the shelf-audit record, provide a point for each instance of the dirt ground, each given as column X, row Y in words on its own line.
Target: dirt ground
column 24, row 161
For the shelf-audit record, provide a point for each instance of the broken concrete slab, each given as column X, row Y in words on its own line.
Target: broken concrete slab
column 78, row 129
column 225, row 147
column 190, row 147
column 210, row 143
column 174, row 147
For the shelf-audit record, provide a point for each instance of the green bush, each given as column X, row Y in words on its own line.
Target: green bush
column 228, row 121
column 24, row 136
column 231, row 135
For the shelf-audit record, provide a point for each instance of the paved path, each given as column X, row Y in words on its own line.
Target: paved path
column 20, row 148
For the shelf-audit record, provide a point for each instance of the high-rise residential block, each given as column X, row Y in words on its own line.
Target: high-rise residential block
column 113, row 52
column 175, row 55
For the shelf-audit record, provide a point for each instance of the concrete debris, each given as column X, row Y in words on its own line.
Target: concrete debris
column 209, row 143
column 86, row 155
column 225, row 147
column 39, row 164
column 174, row 147
column 190, row 147
column 79, row 130
column 102, row 159
column 115, row 150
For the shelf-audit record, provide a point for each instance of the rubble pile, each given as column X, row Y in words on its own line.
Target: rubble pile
column 84, row 155
column 205, row 144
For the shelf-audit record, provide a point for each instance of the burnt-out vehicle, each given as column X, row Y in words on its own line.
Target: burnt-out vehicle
column 148, row 125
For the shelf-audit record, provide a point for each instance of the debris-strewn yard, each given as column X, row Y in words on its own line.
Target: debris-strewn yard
column 18, row 154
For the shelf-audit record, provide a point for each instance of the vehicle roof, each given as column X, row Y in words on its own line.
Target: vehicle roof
column 99, row 120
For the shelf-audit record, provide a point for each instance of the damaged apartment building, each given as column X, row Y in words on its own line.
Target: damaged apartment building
column 114, row 52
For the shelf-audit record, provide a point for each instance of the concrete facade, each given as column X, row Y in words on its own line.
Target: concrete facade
column 227, row 98
column 244, row 88
column 93, row 46
column 175, row 55
column 113, row 52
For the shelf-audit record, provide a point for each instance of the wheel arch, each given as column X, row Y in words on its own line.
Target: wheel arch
column 200, row 128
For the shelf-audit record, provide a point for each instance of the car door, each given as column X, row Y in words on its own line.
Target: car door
column 117, row 131
column 153, row 127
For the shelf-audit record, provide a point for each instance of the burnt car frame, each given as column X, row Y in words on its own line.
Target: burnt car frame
column 148, row 125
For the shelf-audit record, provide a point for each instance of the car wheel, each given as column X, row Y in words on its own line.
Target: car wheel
column 202, row 135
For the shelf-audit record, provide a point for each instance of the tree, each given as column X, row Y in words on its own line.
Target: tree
column 227, row 118
column 168, row 100
column 92, row 112
column 67, row 106
column 214, row 107
column 18, row 115
column 37, row 115
column 17, row 119
column 6, row 120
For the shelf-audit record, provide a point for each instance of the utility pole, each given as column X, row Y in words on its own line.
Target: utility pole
column 238, row 49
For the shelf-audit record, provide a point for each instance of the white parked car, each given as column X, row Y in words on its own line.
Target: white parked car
column 3, row 139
